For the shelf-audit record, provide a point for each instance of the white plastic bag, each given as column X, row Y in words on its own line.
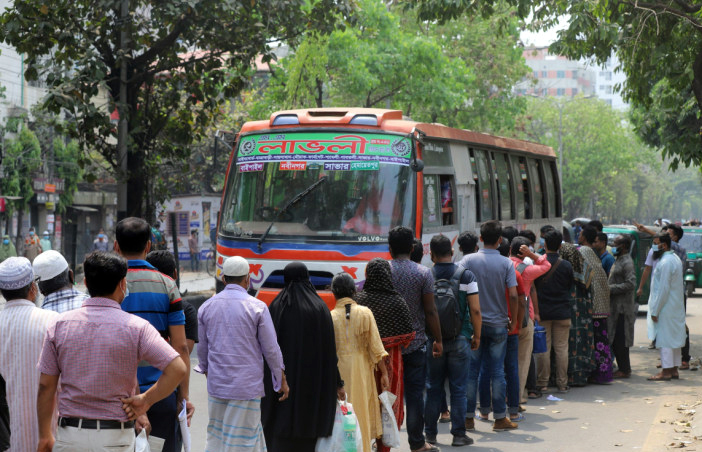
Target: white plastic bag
column 391, row 434
column 142, row 442
column 343, row 437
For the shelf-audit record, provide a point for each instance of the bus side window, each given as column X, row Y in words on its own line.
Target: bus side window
column 485, row 186
column 537, row 195
column 553, row 194
column 476, row 185
column 504, row 186
column 448, row 190
column 432, row 205
column 521, row 182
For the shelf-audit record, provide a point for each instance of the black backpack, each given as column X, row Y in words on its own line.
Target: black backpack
column 446, row 299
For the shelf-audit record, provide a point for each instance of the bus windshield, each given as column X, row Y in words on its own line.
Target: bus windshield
column 368, row 187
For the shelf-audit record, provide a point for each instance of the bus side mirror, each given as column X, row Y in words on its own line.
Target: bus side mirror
column 417, row 165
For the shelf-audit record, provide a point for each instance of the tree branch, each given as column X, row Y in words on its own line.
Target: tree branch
column 164, row 44
column 664, row 9
column 688, row 8
column 390, row 93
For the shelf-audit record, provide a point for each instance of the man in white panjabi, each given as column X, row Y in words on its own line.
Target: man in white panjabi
column 666, row 309
column 22, row 328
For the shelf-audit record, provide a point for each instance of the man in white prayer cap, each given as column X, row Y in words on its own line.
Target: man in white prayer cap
column 22, row 327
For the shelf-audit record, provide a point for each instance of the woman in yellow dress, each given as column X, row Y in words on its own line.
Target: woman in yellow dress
column 360, row 350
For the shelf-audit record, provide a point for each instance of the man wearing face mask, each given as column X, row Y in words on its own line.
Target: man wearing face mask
column 32, row 247
column 7, row 248
column 622, row 284
column 22, row 327
column 666, row 310
column 154, row 297
column 45, row 241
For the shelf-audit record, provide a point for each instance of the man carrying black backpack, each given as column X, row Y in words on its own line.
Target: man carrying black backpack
column 456, row 298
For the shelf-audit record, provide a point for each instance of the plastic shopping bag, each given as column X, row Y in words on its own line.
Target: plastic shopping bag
column 346, row 435
column 142, row 442
column 391, row 434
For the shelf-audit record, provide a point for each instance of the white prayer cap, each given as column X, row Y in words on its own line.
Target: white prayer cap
column 235, row 266
column 15, row 273
column 49, row 264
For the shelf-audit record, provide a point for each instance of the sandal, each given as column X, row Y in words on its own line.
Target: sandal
column 659, row 377
column 431, row 448
column 684, row 366
column 534, row 394
column 620, row 374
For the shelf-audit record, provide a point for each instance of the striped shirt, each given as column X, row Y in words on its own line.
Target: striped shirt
column 154, row 297
column 22, row 328
column 64, row 300
column 96, row 350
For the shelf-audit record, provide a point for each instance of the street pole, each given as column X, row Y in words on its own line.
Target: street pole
column 122, row 110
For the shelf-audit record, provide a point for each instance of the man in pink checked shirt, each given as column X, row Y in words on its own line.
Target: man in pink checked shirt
column 95, row 351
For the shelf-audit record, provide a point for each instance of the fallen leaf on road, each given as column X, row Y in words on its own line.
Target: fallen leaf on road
column 626, row 431
column 555, row 411
column 583, row 427
column 682, row 430
column 618, row 445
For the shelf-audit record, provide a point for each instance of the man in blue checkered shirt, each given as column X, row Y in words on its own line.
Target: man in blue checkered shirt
column 56, row 283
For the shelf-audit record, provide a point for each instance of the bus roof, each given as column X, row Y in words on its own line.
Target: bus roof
column 391, row 120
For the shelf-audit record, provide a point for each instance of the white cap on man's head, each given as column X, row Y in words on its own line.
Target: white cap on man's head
column 49, row 264
column 235, row 266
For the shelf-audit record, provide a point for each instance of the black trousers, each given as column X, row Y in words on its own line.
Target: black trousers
column 163, row 417
column 685, row 352
column 621, row 351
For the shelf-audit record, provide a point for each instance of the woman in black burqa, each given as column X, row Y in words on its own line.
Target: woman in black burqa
column 305, row 332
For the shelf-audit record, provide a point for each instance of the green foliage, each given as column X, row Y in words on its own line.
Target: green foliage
column 658, row 43
column 22, row 157
column 608, row 172
column 173, row 91
column 455, row 74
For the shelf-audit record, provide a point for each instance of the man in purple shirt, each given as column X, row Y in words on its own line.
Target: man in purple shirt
column 236, row 334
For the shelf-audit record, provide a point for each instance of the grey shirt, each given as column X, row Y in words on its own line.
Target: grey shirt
column 495, row 274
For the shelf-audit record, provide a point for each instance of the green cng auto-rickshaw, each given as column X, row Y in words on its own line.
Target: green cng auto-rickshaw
column 640, row 245
column 692, row 242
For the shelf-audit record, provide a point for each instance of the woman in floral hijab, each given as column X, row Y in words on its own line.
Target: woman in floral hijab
column 394, row 325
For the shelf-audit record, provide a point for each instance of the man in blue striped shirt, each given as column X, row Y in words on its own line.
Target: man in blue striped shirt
column 154, row 297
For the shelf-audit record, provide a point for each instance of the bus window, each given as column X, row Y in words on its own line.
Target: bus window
column 476, row 186
column 437, row 153
column 432, row 207
column 521, row 183
column 485, row 193
column 439, row 204
column 537, row 195
column 552, row 192
column 448, row 213
column 504, row 189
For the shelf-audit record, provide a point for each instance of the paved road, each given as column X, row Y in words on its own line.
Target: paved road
column 632, row 414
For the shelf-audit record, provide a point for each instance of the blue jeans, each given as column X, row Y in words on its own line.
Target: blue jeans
column 492, row 350
column 415, row 376
column 511, row 378
column 453, row 363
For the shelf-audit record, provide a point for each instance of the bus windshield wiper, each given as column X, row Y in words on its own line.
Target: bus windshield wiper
column 297, row 198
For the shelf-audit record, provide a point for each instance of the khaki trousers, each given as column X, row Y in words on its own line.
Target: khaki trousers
column 76, row 439
column 526, row 346
column 557, row 333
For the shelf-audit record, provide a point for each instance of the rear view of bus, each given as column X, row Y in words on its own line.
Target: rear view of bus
column 323, row 187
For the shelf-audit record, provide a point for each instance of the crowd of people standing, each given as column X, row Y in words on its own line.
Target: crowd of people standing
column 275, row 374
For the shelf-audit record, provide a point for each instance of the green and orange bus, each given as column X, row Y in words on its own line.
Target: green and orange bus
column 324, row 186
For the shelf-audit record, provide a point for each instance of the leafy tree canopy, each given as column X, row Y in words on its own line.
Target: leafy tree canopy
column 658, row 42
column 183, row 58
column 457, row 74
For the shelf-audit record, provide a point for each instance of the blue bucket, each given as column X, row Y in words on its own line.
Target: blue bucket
column 539, row 338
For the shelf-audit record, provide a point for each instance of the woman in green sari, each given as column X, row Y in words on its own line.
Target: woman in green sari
column 581, row 340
